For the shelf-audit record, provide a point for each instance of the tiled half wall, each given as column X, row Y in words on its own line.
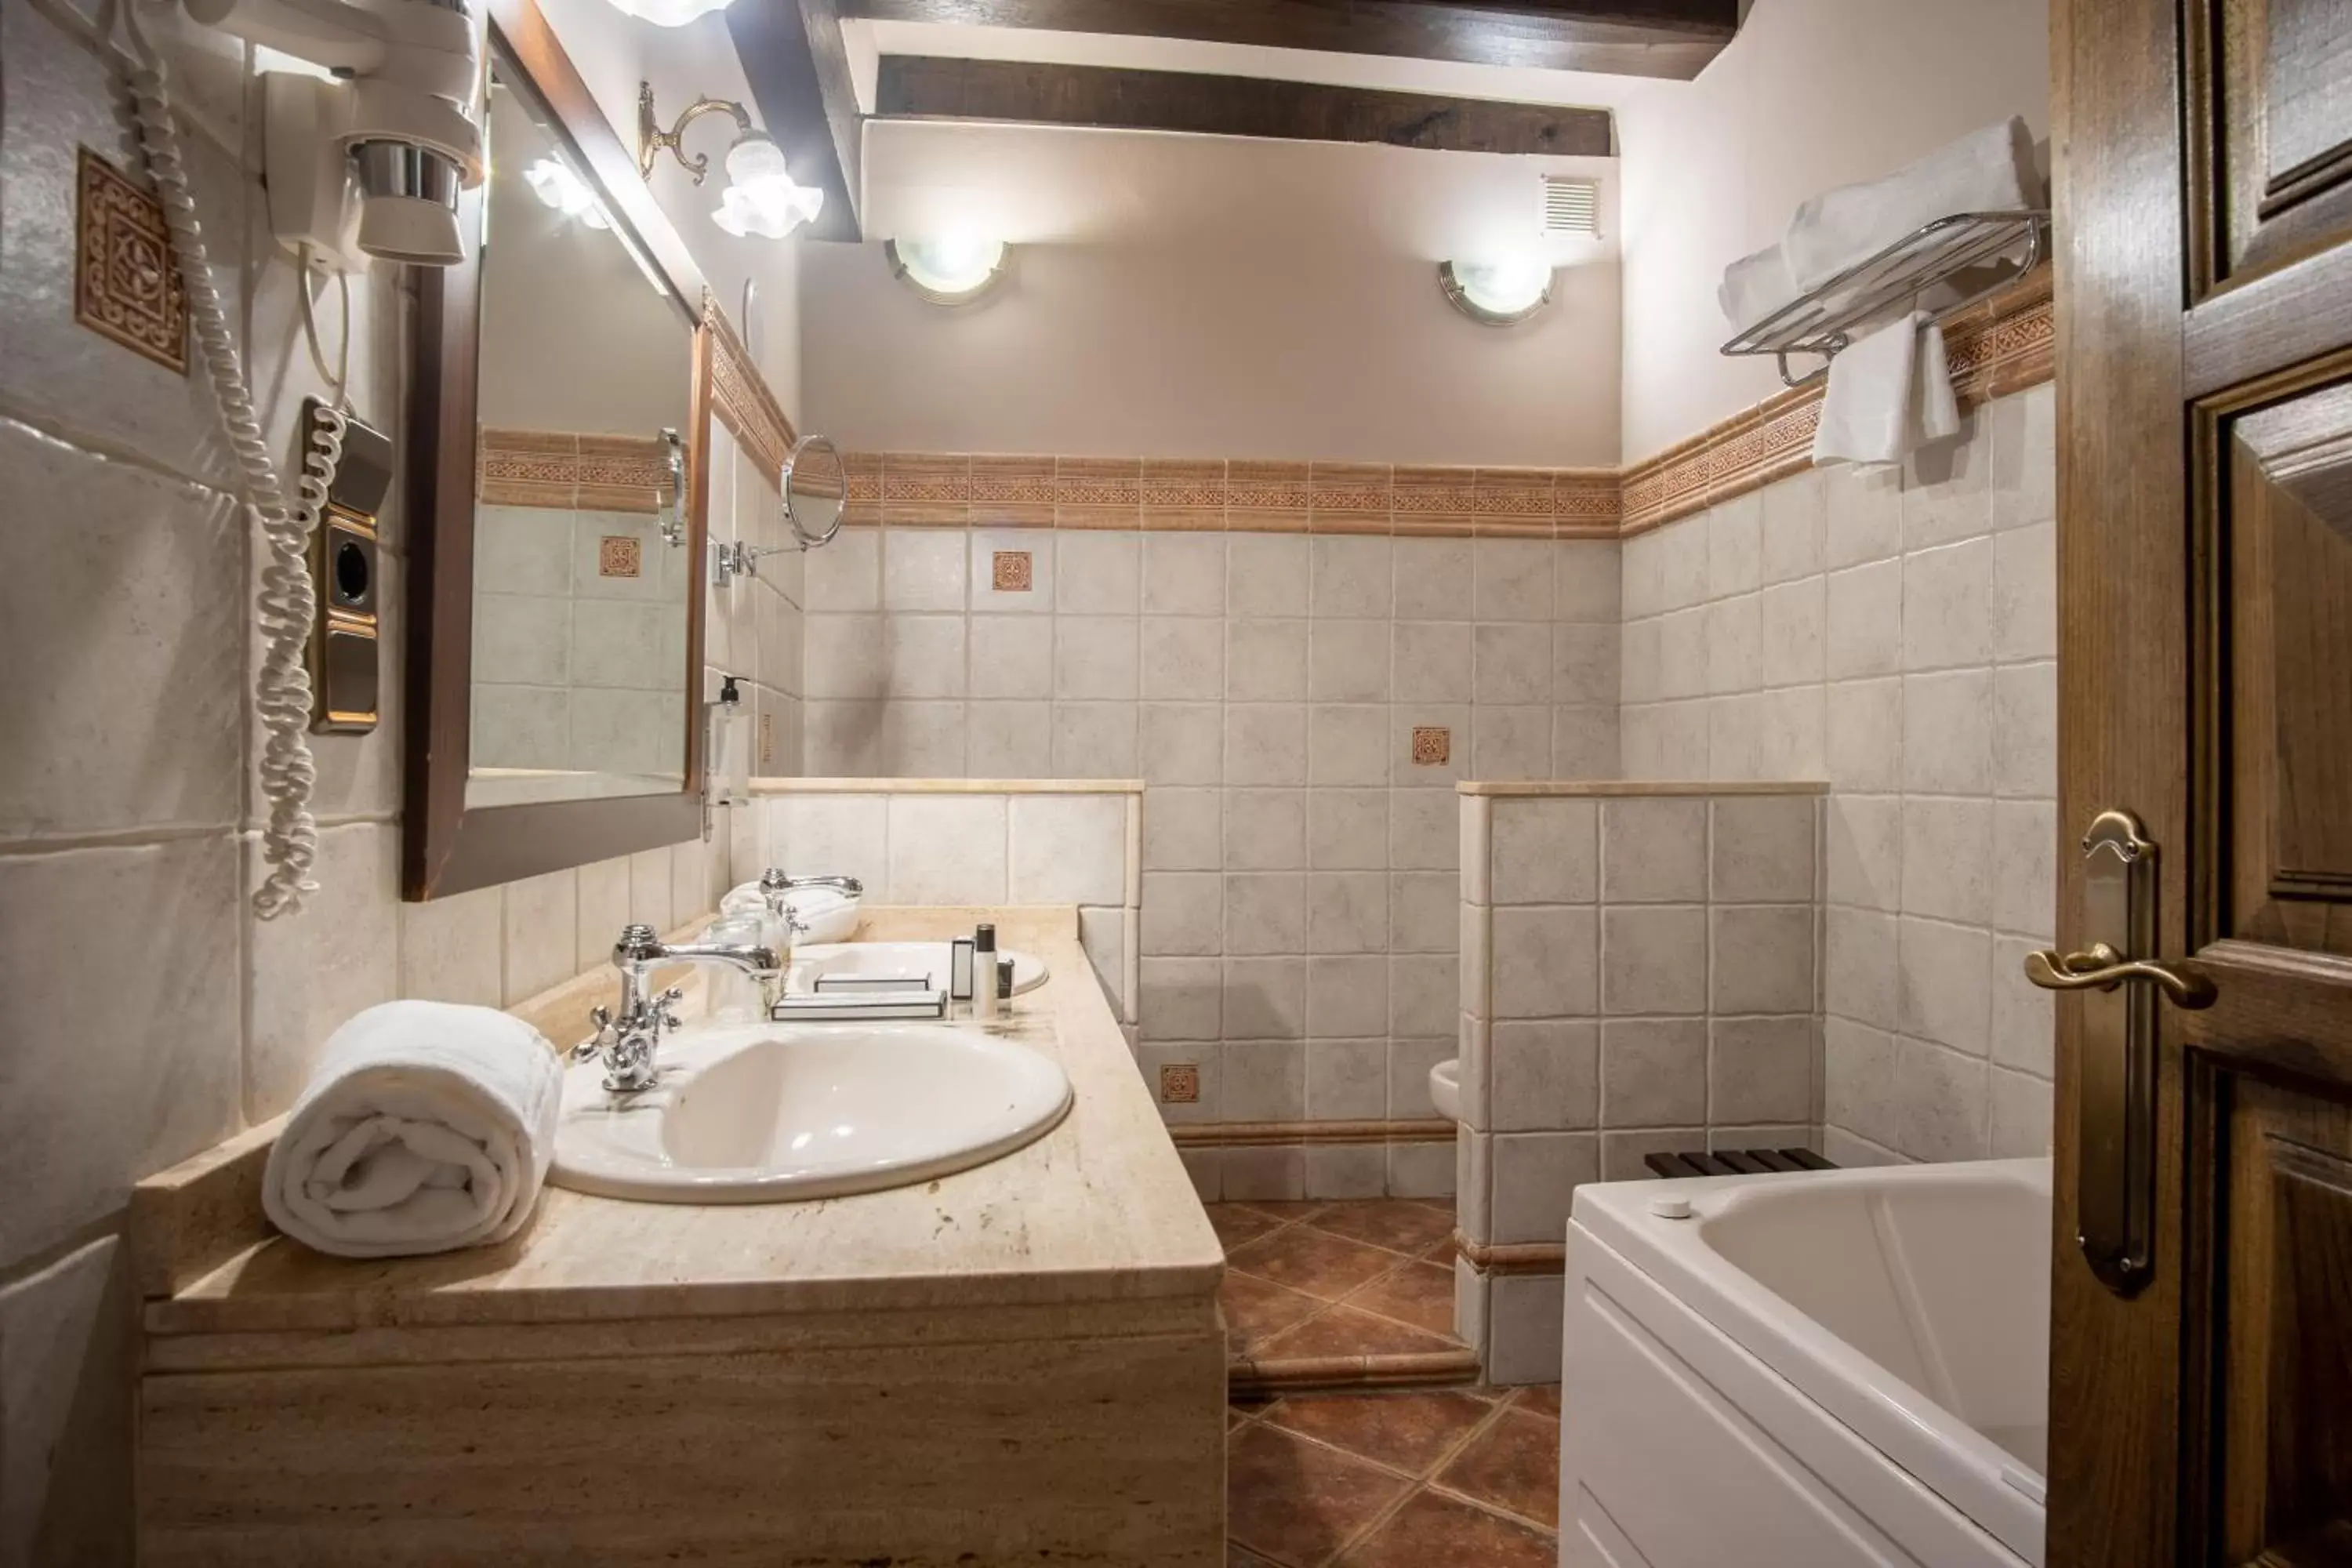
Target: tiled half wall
column 1639, row 973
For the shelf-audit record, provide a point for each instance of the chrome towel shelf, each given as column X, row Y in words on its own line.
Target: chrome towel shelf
column 1826, row 318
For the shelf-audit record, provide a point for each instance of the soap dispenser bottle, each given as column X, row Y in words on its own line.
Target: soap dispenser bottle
column 984, row 1003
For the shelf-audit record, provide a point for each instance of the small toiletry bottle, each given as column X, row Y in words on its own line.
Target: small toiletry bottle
column 959, row 969
column 984, row 1005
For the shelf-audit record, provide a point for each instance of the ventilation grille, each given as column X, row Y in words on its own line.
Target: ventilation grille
column 1570, row 207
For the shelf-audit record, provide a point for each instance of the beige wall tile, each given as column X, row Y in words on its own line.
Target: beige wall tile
column 1545, row 851
column 1068, row 849
column 1653, row 1072
column 1545, row 1075
column 312, row 969
column 1098, row 574
column 1265, row 829
column 1761, row 1069
column 1762, row 960
column 1347, row 829
column 1654, row 959
column 1762, row 849
column 1942, row 990
column 1347, row 999
column 1536, row 1178
column 946, row 849
column 1184, row 574
column 1546, row 963
column 1653, row 850
column 1266, row 913
column 1265, row 998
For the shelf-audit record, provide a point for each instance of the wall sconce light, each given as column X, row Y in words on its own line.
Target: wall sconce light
column 760, row 197
column 1499, row 293
column 553, row 182
column 952, row 269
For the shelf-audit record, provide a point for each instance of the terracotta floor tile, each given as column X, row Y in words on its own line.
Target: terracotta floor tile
column 1311, row 1260
column 1542, row 1399
column 1514, row 1465
column 1442, row 1253
column 1397, row 1224
column 1345, row 1331
column 1297, row 1503
column 1434, row 1531
column 1408, row 1432
column 1420, row 1294
column 1241, row 1557
column 1283, row 1208
column 1237, row 1225
column 1256, row 1309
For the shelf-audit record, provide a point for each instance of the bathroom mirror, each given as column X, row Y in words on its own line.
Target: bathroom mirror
column 559, row 449
column 816, row 488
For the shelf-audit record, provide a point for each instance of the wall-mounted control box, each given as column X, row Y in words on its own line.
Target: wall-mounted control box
column 346, row 640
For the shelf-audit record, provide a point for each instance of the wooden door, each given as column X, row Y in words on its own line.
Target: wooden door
column 2202, row 1411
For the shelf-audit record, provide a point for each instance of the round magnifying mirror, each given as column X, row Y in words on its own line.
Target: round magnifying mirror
column 816, row 487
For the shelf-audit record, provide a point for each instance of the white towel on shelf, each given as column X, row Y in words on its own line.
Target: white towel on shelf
column 1754, row 287
column 427, row 1127
column 1991, row 170
column 1888, row 392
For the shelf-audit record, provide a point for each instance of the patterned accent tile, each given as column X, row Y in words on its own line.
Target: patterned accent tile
column 1012, row 572
column 925, row 490
column 1267, row 497
column 1184, row 494
column 126, row 285
column 1513, row 503
column 1435, row 500
column 1433, row 746
column 1012, row 492
column 620, row 555
column 1348, row 498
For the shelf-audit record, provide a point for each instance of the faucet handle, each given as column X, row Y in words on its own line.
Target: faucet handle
column 664, row 1007
column 602, row 1016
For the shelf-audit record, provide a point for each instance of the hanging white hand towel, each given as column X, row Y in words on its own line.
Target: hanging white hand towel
column 427, row 1127
column 1889, row 393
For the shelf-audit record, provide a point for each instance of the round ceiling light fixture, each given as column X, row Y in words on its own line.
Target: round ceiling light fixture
column 1497, row 293
column 952, row 270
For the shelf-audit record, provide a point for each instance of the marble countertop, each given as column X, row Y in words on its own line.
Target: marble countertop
column 1098, row 1210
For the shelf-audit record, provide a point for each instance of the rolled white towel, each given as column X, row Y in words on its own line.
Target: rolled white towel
column 427, row 1127
column 1754, row 287
column 1991, row 170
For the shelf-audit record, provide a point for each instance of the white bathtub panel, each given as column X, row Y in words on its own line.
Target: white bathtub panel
column 1679, row 1449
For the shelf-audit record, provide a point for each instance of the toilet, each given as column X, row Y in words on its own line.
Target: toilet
column 1445, row 1087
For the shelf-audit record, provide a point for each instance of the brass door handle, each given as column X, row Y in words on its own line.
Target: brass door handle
column 2102, row 968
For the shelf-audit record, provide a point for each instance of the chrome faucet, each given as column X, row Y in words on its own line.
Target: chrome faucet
column 626, row 1039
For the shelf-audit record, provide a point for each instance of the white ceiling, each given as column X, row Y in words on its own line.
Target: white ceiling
column 867, row 40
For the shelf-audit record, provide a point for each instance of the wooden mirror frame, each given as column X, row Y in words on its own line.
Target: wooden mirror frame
column 446, row 846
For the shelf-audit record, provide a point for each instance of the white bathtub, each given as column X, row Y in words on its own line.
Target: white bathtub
column 1812, row 1371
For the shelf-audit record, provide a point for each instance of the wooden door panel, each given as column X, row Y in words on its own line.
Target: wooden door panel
column 2287, row 514
column 2280, row 1185
column 2281, row 127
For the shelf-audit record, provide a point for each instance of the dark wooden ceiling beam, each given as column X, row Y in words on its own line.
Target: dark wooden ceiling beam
column 793, row 56
column 1627, row 38
column 913, row 87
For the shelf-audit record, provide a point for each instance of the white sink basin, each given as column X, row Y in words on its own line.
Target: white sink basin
column 776, row 1113
column 911, row 958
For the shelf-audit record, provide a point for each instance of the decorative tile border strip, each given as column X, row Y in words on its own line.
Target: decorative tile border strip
column 948, row 489
column 2001, row 346
column 560, row 469
column 740, row 394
